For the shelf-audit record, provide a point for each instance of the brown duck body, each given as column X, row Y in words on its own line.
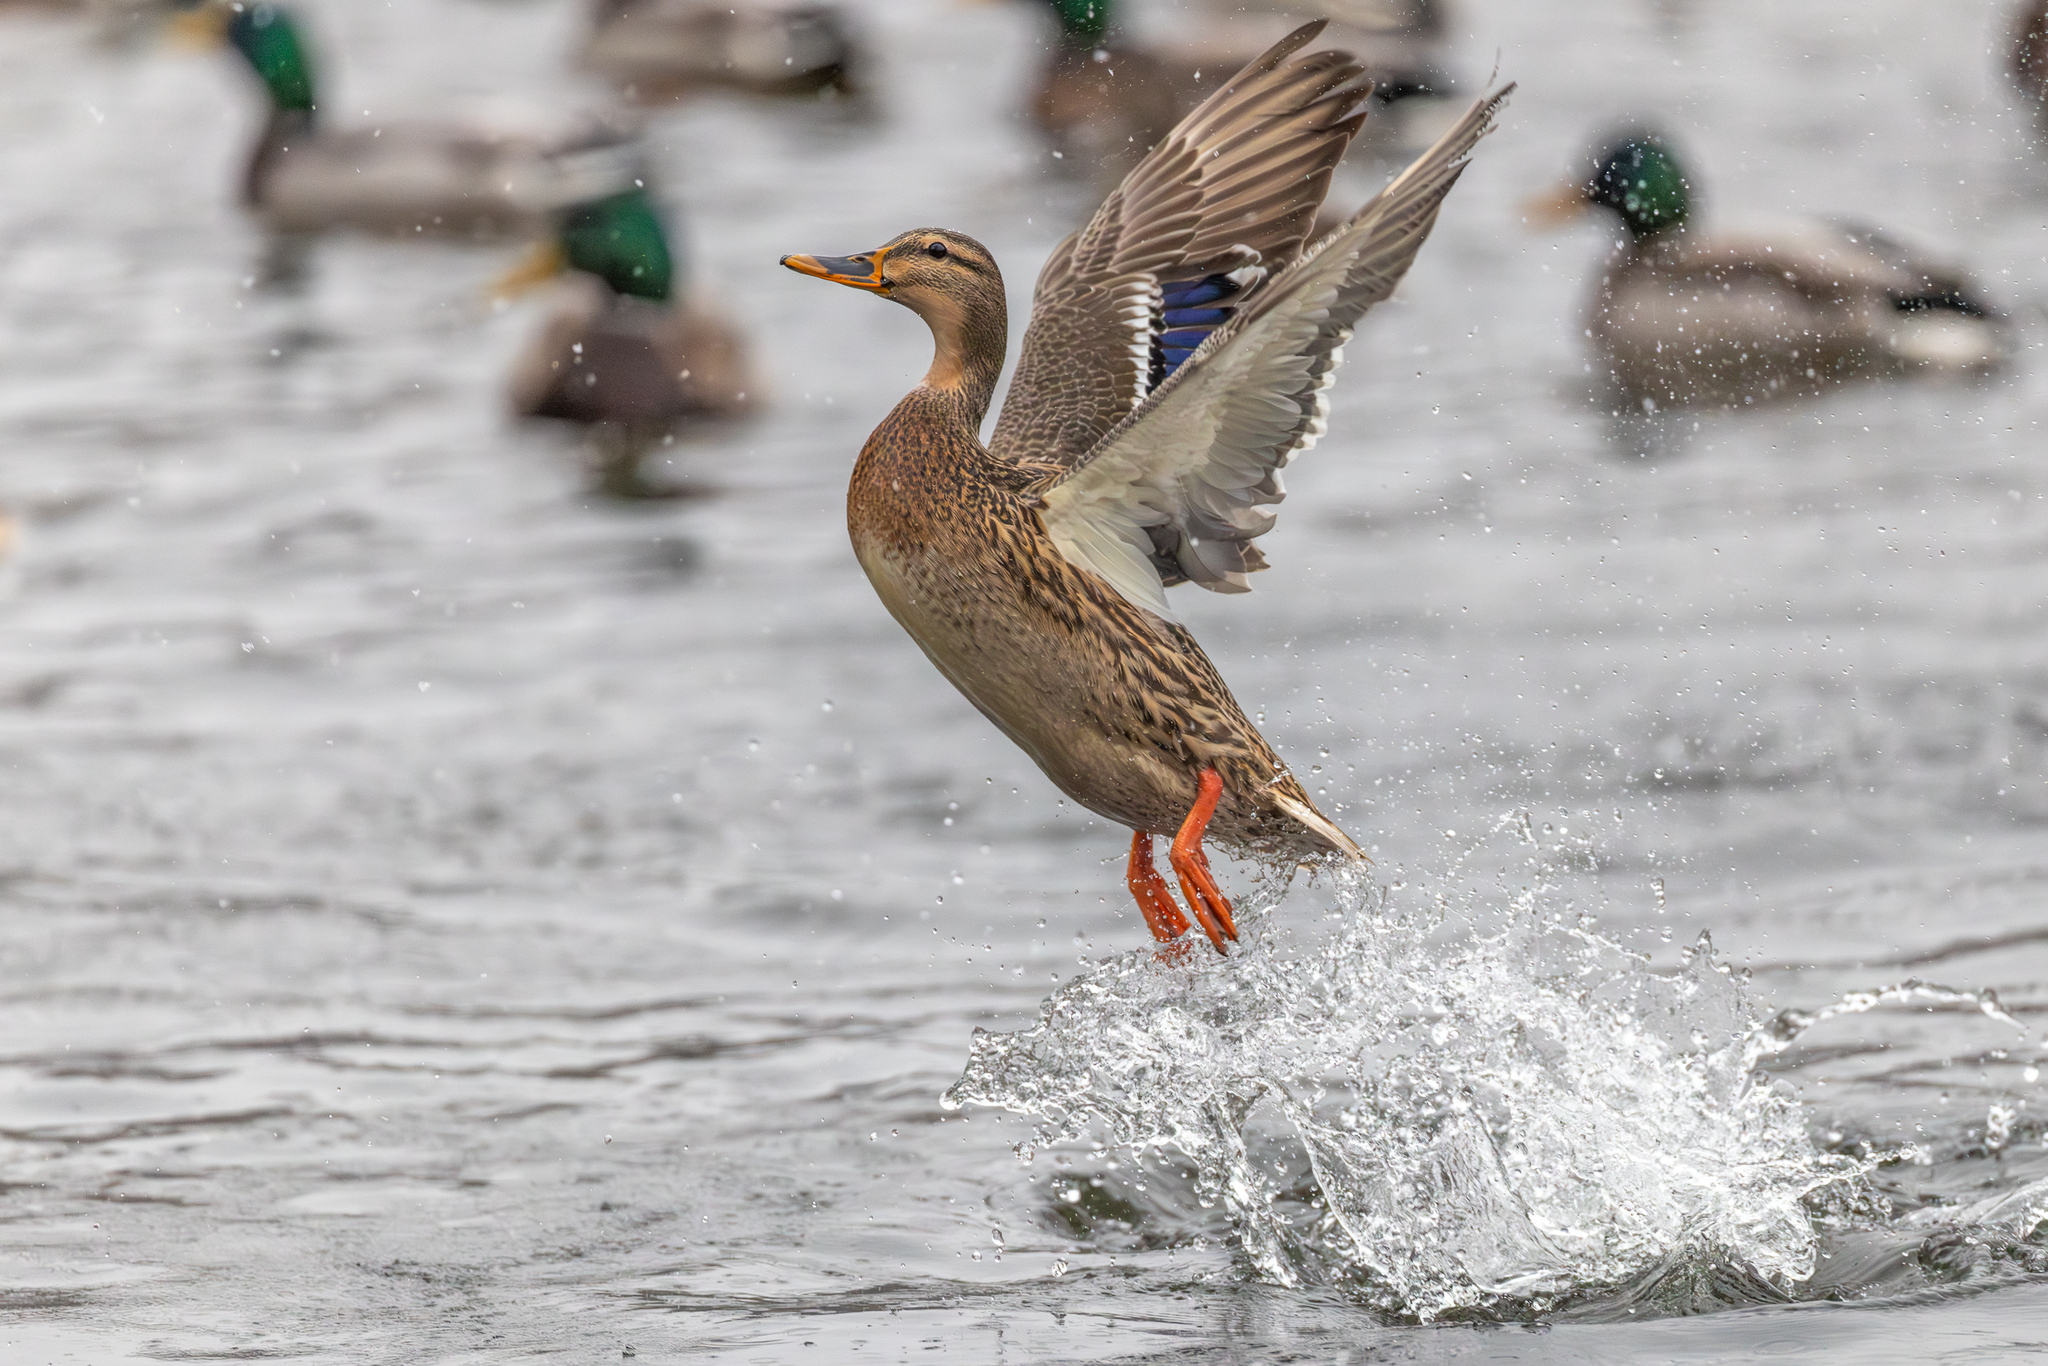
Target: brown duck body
column 1686, row 319
column 1119, row 707
column 604, row 357
column 660, row 50
column 406, row 179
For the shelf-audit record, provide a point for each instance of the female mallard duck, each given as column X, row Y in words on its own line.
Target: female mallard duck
column 450, row 179
column 1104, row 99
column 1683, row 318
column 658, row 50
column 619, row 348
column 1178, row 353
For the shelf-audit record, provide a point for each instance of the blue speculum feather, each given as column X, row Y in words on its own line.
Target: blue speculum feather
column 1186, row 317
column 1189, row 293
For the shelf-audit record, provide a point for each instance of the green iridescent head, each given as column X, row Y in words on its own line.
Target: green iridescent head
column 1085, row 20
column 620, row 239
column 266, row 36
column 1639, row 179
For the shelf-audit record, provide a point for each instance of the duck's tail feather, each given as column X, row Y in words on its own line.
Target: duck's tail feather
column 1321, row 825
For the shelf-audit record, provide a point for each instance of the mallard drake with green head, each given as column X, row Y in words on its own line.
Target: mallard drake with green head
column 460, row 179
column 1179, row 353
column 659, row 50
column 1684, row 318
column 621, row 345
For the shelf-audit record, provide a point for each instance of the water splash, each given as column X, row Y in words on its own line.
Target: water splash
column 1778, row 1033
column 1497, row 1107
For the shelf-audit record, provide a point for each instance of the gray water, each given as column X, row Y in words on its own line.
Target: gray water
column 452, row 914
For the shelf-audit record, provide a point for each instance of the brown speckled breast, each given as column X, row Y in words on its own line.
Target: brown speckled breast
column 1119, row 707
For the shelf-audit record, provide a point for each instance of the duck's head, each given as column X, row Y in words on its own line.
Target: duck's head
column 948, row 279
column 619, row 238
column 267, row 39
column 1638, row 178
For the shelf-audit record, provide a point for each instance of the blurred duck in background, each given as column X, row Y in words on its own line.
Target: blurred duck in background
column 2028, row 60
column 1105, row 96
column 660, row 50
column 475, row 178
column 622, row 346
column 1401, row 44
column 1684, row 318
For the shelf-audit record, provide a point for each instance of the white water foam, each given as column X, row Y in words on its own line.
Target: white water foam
column 1497, row 1105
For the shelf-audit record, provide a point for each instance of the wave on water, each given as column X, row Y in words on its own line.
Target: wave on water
column 1480, row 1105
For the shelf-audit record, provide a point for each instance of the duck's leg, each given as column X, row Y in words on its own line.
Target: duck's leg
column 1153, row 897
column 1205, row 898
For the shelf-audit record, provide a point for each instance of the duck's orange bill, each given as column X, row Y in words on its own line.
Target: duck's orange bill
column 861, row 272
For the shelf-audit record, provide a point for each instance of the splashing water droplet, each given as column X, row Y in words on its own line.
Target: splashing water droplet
column 1492, row 1103
column 1998, row 1120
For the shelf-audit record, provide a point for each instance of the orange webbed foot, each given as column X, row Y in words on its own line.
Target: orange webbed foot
column 1197, row 883
column 1154, row 899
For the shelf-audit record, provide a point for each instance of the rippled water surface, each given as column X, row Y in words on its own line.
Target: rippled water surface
column 455, row 914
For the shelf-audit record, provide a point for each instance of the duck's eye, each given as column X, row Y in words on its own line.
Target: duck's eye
column 935, row 250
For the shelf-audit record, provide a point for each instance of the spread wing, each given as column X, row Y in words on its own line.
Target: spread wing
column 1178, row 489
column 1187, row 237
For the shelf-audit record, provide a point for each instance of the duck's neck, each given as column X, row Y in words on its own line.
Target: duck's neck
column 967, row 356
column 1661, row 242
column 286, row 129
column 269, row 41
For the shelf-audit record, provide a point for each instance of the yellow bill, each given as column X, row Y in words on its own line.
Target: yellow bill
column 542, row 264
